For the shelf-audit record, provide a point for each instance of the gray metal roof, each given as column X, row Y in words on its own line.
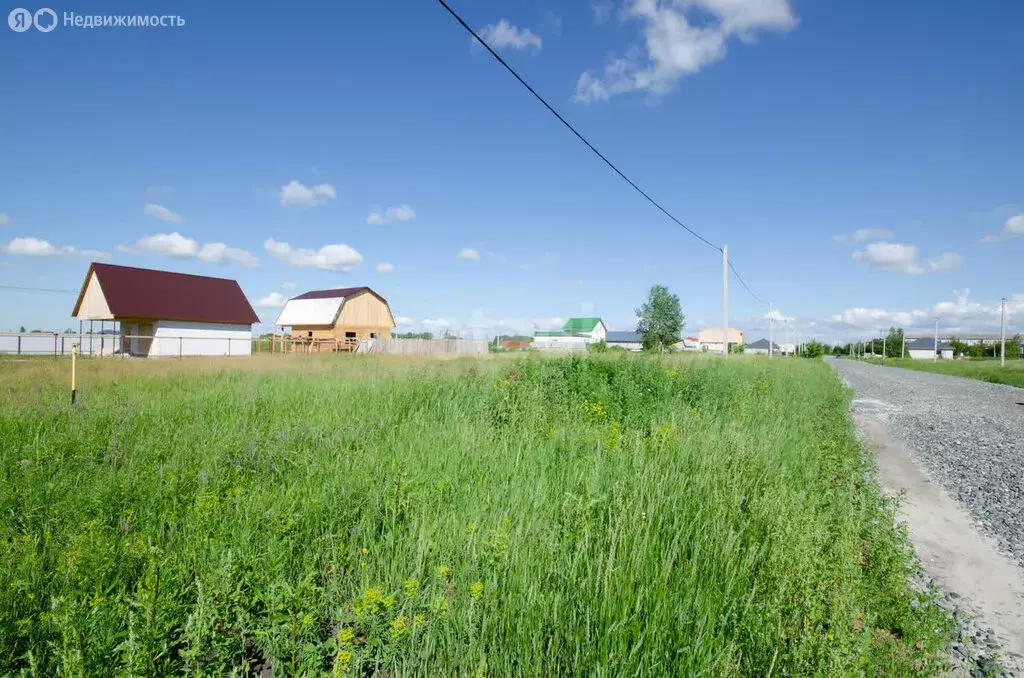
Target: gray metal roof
column 623, row 337
column 762, row 343
column 928, row 345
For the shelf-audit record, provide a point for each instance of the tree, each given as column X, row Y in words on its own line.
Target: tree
column 1015, row 346
column 959, row 347
column 894, row 342
column 736, row 348
column 661, row 319
column 813, row 349
column 21, row 329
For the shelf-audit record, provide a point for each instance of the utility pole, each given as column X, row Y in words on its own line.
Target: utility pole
column 770, row 318
column 935, row 353
column 903, row 348
column 883, row 348
column 725, row 300
column 1002, row 332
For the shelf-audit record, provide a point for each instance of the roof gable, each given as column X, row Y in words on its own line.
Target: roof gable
column 580, row 324
column 145, row 293
column 323, row 307
column 339, row 293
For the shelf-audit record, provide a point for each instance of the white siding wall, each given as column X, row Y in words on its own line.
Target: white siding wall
column 753, row 351
column 628, row 345
column 560, row 343
column 928, row 354
column 600, row 332
column 200, row 339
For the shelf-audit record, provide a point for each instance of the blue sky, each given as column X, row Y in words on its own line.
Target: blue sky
column 854, row 156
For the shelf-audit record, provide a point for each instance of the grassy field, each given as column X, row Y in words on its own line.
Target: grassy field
column 502, row 517
column 982, row 370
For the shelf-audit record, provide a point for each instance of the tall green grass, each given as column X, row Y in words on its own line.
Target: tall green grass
column 1012, row 374
column 573, row 516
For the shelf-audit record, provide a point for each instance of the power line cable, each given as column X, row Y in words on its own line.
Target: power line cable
column 744, row 283
column 35, row 289
column 573, row 129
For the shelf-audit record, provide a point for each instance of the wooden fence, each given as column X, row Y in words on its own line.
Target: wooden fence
column 425, row 346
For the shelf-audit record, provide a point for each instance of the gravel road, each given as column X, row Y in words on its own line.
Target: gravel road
column 967, row 435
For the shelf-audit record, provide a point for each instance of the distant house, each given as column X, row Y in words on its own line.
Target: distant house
column 342, row 316
column 687, row 344
column 761, row 347
column 631, row 341
column 711, row 338
column 576, row 334
column 509, row 345
column 162, row 313
column 924, row 349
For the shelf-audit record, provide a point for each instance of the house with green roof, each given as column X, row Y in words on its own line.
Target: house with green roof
column 576, row 334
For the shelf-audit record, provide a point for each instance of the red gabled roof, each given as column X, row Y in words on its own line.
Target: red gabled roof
column 333, row 294
column 162, row 295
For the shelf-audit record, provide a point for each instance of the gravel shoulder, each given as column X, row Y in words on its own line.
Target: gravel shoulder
column 955, row 447
column 968, row 436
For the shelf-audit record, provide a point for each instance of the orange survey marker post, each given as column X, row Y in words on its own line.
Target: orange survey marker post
column 74, row 355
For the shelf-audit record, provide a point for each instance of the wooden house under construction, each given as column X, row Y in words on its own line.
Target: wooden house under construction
column 337, row 319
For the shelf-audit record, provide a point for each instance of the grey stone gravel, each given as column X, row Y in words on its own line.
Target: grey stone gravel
column 966, row 435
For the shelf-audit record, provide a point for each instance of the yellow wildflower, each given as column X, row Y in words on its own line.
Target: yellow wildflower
column 419, row 620
column 411, row 587
column 398, row 627
column 345, row 636
column 442, row 571
column 389, row 601
column 365, row 550
column 342, row 662
column 307, row 620
column 440, row 605
column 476, row 589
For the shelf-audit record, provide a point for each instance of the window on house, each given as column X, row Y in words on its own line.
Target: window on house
column 311, row 334
column 373, row 335
column 350, row 335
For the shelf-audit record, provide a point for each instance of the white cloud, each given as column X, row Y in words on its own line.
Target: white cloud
column 404, row 320
column 602, row 10
column 960, row 314
column 288, row 285
column 680, row 38
column 34, row 247
column 505, row 35
column 217, row 252
column 897, row 258
column 329, row 257
column 160, row 212
column 1013, row 228
column 295, row 193
column 436, row 322
column 863, row 235
column 468, row 254
column 546, row 260
column 391, row 214
column 179, row 246
column 5, row 218
column 385, row 267
column 775, row 316
column 551, row 323
column 272, row 300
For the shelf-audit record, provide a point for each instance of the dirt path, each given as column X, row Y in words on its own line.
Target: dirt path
column 959, row 558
